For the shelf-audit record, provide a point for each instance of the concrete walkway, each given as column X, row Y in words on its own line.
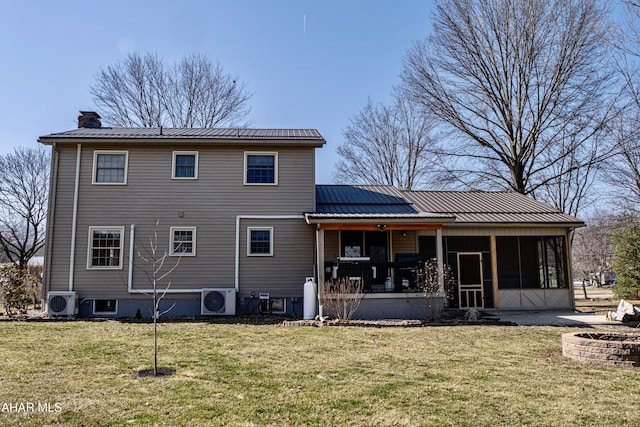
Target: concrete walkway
column 552, row 318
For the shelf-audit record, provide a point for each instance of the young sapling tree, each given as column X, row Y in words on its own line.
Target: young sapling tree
column 154, row 269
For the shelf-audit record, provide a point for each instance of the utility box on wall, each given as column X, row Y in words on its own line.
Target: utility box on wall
column 264, row 302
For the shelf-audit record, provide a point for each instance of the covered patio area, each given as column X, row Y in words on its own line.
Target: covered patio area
column 504, row 250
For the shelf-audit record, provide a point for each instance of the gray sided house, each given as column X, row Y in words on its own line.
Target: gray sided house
column 230, row 206
column 240, row 210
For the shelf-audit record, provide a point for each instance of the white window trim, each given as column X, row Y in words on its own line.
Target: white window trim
column 89, row 248
column 261, row 153
column 95, row 166
column 110, row 313
column 171, row 242
column 249, row 230
column 173, row 165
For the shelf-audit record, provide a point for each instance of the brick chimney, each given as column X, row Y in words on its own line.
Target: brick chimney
column 89, row 119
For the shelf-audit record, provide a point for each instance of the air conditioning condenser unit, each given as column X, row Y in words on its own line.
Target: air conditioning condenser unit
column 218, row 301
column 62, row 304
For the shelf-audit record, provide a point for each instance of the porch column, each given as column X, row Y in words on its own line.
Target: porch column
column 320, row 255
column 440, row 256
column 320, row 266
column 569, row 267
column 494, row 271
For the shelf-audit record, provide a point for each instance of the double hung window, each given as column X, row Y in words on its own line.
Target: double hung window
column 261, row 168
column 110, row 167
column 185, row 165
column 183, row 241
column 260, row 241
column 105, row 247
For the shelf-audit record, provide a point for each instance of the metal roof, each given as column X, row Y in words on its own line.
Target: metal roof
column 350, row 200
column 479, row 207
column 476, row 207
column 219, row 134
column 476, row 202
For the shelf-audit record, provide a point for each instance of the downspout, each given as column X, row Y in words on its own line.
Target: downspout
column 131, row 248
column 236, row 265
column 53, row 184
column 74, row 220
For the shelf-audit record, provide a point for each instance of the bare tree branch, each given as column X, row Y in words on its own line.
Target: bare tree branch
column 141, row 91
column 387, row 146
column 514, row 78
column 623, row 171
column 24, row 183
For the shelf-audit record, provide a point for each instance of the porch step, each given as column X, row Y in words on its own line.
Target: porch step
column 457, row 316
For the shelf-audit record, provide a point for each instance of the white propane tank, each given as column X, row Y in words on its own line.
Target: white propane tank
column 310, row 299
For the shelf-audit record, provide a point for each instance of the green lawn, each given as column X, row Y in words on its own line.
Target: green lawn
column 253, row 375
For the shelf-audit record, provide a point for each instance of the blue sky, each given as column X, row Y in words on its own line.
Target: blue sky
column 308, row 63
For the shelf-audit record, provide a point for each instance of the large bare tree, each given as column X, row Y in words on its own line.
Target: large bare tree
column 386, row 145
column 574, row 173
column 194, row 92
column 623, row 171
column 24, row 183
column 523, row 85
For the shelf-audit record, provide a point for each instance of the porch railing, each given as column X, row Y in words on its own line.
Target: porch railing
column 377, row 276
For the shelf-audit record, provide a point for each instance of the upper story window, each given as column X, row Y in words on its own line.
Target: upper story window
column 183, row 241
column 105, row 247
column 110, row 167
column 260, row 241
column 185, row 165
column 261, row 168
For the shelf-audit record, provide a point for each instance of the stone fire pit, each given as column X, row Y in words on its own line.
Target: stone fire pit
column 603, row 348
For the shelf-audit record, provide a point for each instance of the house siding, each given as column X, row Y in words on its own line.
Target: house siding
column 282, row 274
column 403, row 244
column 210, row 203
column 331, row 245
column 61, row 227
